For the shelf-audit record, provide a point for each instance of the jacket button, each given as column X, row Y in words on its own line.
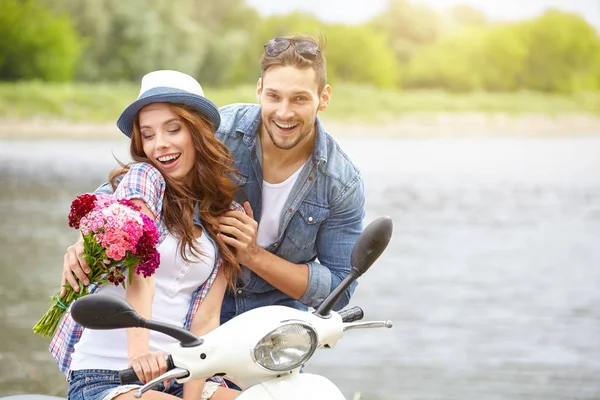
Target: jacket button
column 310, row 219
column 310, row 178
column 240, row 291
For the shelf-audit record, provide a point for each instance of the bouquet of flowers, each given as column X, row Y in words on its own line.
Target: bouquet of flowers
column 118, row 240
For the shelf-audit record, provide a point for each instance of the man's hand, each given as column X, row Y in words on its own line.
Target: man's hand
column 239, row 231
column 74, row 265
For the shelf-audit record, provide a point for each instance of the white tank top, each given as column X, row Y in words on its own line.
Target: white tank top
column 274, row 196
column 175, row 282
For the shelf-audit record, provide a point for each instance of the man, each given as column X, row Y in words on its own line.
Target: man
column 305, row 197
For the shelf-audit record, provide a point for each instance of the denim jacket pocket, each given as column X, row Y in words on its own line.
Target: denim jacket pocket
column 304, row 225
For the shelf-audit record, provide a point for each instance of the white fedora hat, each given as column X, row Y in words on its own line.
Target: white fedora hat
column 167, row 86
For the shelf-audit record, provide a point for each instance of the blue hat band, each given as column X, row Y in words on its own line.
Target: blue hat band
column 168, row 95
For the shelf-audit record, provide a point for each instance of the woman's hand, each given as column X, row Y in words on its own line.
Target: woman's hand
column 74, row 266
column 149, row 365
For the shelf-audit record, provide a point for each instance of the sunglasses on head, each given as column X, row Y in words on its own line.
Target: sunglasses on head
column 305, row 48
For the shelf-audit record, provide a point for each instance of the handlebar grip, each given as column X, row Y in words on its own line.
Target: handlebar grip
column 127, row 376
column 352, row 314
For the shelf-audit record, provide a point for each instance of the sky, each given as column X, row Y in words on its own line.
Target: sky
column 357, row 11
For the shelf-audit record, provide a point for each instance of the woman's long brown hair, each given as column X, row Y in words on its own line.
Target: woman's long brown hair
column 212, row 187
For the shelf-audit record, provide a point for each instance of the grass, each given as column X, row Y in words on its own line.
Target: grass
column 103, row 102
column 372, row 104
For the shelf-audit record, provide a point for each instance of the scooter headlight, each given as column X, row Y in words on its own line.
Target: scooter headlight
column 286, row 347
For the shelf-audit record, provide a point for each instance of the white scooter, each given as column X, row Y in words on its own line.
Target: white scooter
column 261, row 350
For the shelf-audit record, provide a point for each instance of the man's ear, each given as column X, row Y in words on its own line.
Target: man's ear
column 258, row 89
column 325, row 98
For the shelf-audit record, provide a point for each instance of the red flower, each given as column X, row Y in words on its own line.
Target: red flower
column 82, row 205
column 150, row 265
column 115, row 276
column 146, row 248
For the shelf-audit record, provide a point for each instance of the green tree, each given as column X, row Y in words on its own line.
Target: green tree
column 450, row 63
column 36, row 43
column 360, row 54
column 126, row 39
column 409, row 26
column 501, row 59
column 557, row 52
column 563, row 53
column 233, row 49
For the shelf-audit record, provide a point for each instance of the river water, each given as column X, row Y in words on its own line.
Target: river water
column 492, row 277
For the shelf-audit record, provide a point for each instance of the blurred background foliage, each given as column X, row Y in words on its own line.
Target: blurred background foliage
column 408, row 46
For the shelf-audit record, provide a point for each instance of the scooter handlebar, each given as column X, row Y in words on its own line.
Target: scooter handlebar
column 127, row 376
column 352, row 314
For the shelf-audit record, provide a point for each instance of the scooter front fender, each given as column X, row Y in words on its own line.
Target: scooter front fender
column 294, row 387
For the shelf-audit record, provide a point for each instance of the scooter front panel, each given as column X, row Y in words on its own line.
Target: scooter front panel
column 294, row 387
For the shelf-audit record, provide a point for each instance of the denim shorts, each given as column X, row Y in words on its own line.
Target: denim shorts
column 95, row 384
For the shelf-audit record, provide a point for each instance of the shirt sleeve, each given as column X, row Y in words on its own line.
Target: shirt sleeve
column 143, row 182
column 105, row 188
column 334, row 242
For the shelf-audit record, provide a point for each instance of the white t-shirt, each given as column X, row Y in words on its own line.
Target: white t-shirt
column 274, row 196
column 175, row 282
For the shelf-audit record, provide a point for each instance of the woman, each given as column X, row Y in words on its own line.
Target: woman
column 178, row 165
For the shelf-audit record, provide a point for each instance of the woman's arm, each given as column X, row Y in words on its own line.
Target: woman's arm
column 205, row 320
column 140, row 293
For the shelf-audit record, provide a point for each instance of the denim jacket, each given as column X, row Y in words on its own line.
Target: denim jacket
column 321, row 220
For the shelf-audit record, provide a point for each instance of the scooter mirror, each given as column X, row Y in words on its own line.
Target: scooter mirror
column 368, row 247
column 370, row 244
column 102, row 311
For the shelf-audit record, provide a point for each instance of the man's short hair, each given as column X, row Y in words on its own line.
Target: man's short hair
column 289, row 57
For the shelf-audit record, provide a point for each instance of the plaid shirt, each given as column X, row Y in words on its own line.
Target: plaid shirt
column 144, row 182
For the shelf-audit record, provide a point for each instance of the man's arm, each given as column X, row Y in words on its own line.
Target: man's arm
column 239, row 230
column 292, row 279
column 335, row 241
column 106, row 188
column 309, row 283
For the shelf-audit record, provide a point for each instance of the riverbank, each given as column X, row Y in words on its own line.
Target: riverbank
column 412, row 125
column 103, row 102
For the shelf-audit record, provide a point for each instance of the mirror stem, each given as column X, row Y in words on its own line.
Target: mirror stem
column 330, row 301
column 186, row 338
